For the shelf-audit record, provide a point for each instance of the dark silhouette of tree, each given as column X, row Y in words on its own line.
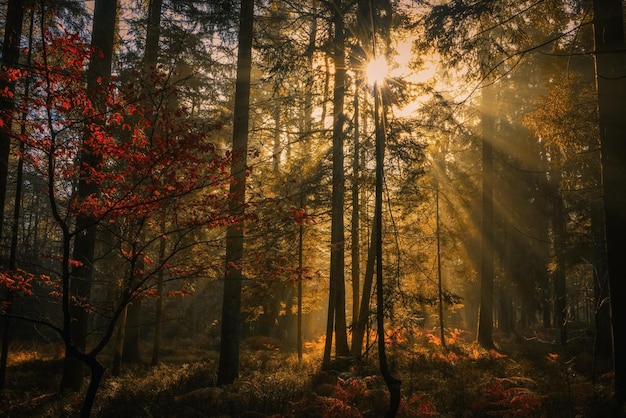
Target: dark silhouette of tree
column 10, row 58
column 102, row 38
column 486, row 272
column 11, row 44
column 231, row 310
column 336, row 303
column 610, row 59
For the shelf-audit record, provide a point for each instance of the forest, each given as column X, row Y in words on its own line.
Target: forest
column 322, row 208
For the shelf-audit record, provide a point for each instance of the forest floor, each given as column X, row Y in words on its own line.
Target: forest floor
column 527, row 376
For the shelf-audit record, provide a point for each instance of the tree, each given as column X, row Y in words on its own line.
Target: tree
column 150, row 61
column 10, row 58
column 11, row 45
column 610, row 61
column 336, row 322
column 485, row 319
column 132, row 334
column 231, row 311
column 102, row 38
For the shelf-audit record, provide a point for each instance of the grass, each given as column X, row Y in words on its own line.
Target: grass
column 524, row 378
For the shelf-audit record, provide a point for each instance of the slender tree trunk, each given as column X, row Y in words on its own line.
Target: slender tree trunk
column 337, row 245
column 118, row 349
column 485, row 318
column 17, row 209
column 307, row 127
column 300, row 266
column 558, row 228
column 277, row 125
column 231, row 323
column 505, row 324
column 355, row 224
column 439, row 278
column 158, row 327
column 610, row 61
column 330, row 325
column 132, row 334
column 105, row 12
column 358, row 333
column 601, row 297
column 337, row 238
column 393, row 384
column 9, row 59
column 359, row 328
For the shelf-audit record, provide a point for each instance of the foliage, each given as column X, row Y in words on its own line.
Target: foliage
column 151, row 159
column 470, row 382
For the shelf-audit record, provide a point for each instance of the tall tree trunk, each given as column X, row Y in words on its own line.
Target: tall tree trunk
column 158, row 327
column 439, row 276
column 355, row 224
column 300, row 266
column 105, row 12
column 17, row 208
column 337, row 230
column 10, row 58
column 358, row 330
column 132, row 334
column 558, row 273
column 231, row 323
column 485, row 318
column 393, row 384
column 337, row 294
column 610, row 60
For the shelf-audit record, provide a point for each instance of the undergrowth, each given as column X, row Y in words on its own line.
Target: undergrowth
column 524, row 378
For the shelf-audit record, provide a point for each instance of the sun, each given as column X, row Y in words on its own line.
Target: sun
column 376, row 70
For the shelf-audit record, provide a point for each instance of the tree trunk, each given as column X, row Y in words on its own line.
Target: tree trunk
column 118, row 349
column 10, row 58
column 439, row 278
column 358, row 333
column 557, row 219
column 300, row 266
column 97, row 371
column 602, row 313
column 610, row 62
column 105, row 12
column 132, row 334
column 17, row 208
column 393, row 384
column 150, row 61
column 337, row 244
column 355, row 224
column 330, row 326
column 485, row 318
column 307, row 127
column 505, row 324
column 158, row 328
column 229, row 346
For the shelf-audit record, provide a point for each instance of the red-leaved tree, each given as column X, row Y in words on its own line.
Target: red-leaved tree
column 161, row 185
